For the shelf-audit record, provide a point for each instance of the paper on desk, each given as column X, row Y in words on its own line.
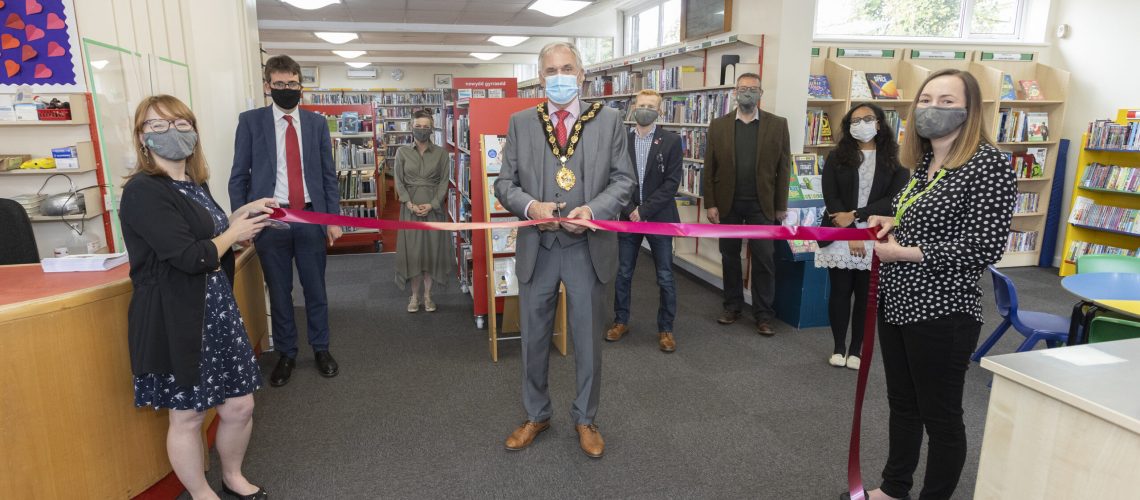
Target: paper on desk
column 1083, row 355
column 83, row 262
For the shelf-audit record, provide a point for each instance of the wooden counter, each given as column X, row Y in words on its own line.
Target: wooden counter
column 68, row 424
column 1063, row 423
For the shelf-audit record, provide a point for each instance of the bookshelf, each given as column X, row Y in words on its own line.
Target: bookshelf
column 37, row 138
column 1107, row 177
column 359, row 177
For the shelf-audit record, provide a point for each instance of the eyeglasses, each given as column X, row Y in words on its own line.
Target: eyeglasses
column 283, row 85
column 741, row 90
column 161, row 126
column 865, row 119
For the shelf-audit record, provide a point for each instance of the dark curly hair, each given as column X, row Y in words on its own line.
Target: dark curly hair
column 847, row 152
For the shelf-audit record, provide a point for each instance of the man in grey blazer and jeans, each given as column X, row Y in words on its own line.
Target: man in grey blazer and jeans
column 565, row 159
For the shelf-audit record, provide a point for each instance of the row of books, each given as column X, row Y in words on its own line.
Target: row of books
column 817, row 127
column 349, row 155
column 465, row 265
column 691, row 178
column 1027, row 90
column 1112, row 178
column 459, row 207
column 430, row 98
column 356, row 185
column 1027, row 165
column 697, row 108
column 627, row 82
column 1078, row 248
column 1021, row 241
column 402, row 112
column 882, row 86
column 1107, row 134
column 873, row 86
column 694, row 143
column 1087, row 213
column 1026, row 203
column 675, row 78
column 357, row 211
column 1019, row 125
column 340, row 97
column 895, row 122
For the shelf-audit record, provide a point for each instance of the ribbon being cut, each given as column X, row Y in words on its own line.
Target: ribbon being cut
column 854, row 478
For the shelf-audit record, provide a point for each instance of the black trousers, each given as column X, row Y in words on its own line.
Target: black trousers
column 925, row 365
column 844, row 284
column 763, row 267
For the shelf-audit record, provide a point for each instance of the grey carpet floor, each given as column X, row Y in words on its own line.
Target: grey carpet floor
column 420, row 411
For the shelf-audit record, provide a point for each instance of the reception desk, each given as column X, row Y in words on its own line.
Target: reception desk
column 1063, row 423
column 68, row 424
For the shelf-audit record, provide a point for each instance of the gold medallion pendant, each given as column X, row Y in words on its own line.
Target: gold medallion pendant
column 566, row 178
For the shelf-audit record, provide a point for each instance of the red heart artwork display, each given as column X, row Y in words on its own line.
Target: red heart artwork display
column 14, row 22
column 29, row 53
column 55, row 50
column 33, row 33
column 33, row 7
column 12, row 67
column 8, row 41
column 54, row 22
column 43, row 71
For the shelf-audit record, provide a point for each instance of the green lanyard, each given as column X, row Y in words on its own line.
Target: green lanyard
column 905, row 203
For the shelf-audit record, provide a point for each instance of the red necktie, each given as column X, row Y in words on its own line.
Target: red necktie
column 560, row 129
column 293, row 167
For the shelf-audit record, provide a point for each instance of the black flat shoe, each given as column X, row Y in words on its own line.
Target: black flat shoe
column 847, row 496
column 260, row 494
column 326, row 364
column 282, row 371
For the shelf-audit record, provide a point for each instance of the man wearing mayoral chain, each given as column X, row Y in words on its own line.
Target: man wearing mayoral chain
column 564, row 159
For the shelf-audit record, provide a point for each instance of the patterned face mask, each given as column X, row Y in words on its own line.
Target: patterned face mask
column 934, row 122
column 173, row 145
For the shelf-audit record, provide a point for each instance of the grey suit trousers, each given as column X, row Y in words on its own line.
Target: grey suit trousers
column 586, row 303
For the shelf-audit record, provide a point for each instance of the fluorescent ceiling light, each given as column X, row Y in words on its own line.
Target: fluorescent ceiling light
column 349, row 54
column 100, row 64
column 558, row 8
column 485, row 56
column 335, row 37
column 358, row 65
column 310, row 4
column 508, row 41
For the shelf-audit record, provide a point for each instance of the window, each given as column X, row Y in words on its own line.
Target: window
column 595, row 50
column 954, row 19
column 652, row 25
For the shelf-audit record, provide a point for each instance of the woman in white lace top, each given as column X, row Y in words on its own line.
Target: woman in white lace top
column 860, row 178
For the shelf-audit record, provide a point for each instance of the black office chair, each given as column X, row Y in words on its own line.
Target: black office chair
column 18, row 246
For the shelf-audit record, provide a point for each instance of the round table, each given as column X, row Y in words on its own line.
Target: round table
column 1118, row 292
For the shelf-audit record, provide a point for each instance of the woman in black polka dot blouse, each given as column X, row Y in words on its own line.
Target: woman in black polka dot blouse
column 951, row 221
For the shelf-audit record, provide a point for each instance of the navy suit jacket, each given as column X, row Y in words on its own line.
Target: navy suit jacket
column 254, row 174
column 662, row 178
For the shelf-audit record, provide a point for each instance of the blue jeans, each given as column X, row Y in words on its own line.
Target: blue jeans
column 629, row 245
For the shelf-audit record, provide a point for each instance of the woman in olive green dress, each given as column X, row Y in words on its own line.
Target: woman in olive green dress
column 425, row 258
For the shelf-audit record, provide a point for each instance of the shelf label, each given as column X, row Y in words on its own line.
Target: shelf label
column 1132, row 114
column 937, row 54
column 692, row 47
column 815, row 51
column 883, row 53
column 1007, row 56
column 722, row 41
column 671, row 52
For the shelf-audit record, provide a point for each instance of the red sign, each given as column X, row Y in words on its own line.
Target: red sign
column 503, row 87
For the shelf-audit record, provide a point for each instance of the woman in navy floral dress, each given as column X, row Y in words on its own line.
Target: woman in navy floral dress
column 189, row 349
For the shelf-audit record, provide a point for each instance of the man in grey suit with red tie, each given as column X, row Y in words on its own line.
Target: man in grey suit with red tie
column 569, row 159
column 284, row 152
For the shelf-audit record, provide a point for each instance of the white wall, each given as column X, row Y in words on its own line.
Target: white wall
column 415, row 76
column 1104, row 75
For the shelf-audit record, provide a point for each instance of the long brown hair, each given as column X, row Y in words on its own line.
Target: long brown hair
column 171, row 108
column 971, row 135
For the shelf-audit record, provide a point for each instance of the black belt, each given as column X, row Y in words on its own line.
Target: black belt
column 308, row 206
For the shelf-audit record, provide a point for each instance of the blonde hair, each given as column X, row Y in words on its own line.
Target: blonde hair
column 171, row 108
column 651, row 93
column 971, row 135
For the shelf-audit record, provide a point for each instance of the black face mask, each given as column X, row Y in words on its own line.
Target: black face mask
column 285, row 98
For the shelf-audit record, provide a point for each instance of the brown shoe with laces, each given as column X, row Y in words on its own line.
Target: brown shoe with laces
column 763, row 328
column 524, row 435
column 590, row 440
column 616, row 332
column 665, row 342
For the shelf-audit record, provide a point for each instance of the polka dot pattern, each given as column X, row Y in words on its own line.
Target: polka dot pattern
column 962, row 225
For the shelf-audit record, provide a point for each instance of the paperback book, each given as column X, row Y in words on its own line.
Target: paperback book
column 819, row 87
column 882, row 86
column 859, row 87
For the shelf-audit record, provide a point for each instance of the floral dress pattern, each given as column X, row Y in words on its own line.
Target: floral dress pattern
column 228, row 366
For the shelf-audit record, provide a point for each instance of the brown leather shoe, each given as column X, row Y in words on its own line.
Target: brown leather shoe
column 616, row 332
column 764, row 329
column 525, row 434
column 728, row 317
column 665, row 342
column 590, row 440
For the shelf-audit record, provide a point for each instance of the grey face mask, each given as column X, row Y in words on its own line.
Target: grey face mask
column 644, row 116
column 934, row 122
column 173, row 145
column 421, row 134
column 747, row 100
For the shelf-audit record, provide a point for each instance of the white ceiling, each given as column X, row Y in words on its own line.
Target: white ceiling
column 421, row 31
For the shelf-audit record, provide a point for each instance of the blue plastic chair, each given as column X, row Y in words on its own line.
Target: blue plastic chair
column 1035, row 326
